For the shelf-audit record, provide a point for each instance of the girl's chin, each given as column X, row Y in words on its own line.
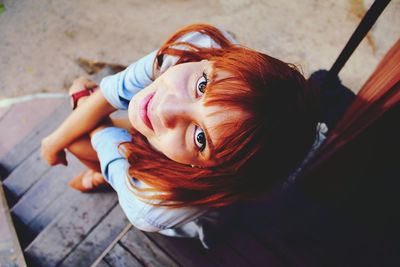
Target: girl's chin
column 152, row 145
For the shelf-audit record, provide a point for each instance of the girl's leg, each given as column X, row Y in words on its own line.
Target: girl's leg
column 82, row 149
column 121, row 123
column 91, row 178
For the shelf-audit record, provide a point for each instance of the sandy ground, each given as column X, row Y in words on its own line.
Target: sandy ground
column 40, row 40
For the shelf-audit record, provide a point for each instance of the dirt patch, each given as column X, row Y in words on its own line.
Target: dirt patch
column 41, row 40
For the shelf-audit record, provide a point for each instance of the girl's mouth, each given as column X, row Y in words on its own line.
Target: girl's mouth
column 144, row 110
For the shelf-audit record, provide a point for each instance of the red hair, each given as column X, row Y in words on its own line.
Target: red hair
column 256, row 151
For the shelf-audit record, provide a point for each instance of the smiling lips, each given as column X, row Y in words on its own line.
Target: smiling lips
column 144, row 110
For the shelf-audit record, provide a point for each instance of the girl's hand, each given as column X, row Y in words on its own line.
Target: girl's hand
column 50, row 154
column 82, row 82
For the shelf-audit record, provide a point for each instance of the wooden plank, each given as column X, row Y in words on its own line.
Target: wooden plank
column 46, row 191
column 111, row 245
column 121, row 257
column 187, row 252
column 102, row 263
column 254, row 252
column 44, row 217
column 69, row 229
column 224, row 255
column 35, row 202
column 10, row 249
column 24, row 176
column 279, row 235
column 98, row 240
column 145, row 250
column 32, row 141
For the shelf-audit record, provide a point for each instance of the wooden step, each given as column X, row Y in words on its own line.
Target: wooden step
column 190, row 252
column 66, row 232
column 255, row 253
column 33, row 140
column 145, row 248
column 36, row 209
column 10, row 249
column 24, row 176
column 120, row 256
column 98, row 240
column 103, row 263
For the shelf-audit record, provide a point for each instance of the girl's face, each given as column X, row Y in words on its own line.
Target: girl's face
column 171, row 114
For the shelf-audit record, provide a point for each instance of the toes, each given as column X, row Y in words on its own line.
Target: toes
column 87, row 181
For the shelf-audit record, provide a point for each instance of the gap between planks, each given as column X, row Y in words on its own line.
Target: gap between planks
column 112, row 244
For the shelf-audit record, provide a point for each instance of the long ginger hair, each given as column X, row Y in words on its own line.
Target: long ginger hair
column 255, row 152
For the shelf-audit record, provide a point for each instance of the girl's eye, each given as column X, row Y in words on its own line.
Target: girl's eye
column 201, row 84
column 199, row 138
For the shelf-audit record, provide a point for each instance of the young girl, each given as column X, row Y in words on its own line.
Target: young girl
column 211, row 123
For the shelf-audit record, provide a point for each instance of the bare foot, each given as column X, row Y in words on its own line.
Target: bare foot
column 88, row 180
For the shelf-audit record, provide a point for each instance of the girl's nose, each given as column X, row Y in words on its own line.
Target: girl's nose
column 173, row 110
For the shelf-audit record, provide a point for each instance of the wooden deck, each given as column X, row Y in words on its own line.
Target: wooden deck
column 58, row 226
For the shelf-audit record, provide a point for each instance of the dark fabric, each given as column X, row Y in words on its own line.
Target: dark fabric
column 334, row 99
column 359, row 186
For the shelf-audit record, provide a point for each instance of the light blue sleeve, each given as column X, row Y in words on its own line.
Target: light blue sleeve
column 106, row 143
column 119, row 88
column 114, row 167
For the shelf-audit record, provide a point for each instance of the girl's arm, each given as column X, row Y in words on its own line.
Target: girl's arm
column 81, row 121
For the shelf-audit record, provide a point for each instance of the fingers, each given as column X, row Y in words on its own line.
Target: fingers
column 58, row 159
column 84, row 82
column 52, row 156
column 62, row 159
column 90, row 85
